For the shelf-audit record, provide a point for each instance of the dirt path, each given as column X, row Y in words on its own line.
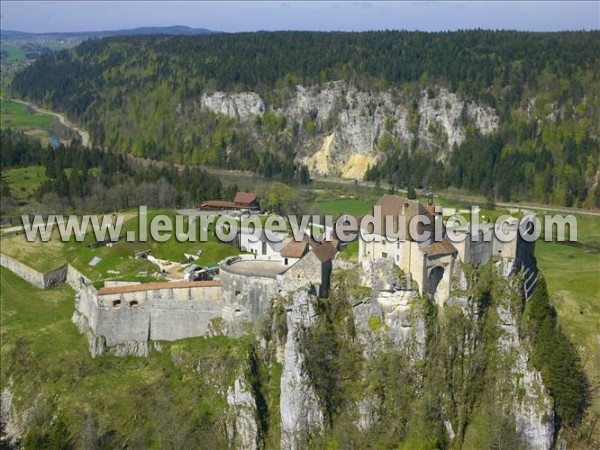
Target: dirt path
column 84, row 135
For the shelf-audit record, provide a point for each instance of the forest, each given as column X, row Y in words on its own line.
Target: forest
column 91, row 180
column 140, row 95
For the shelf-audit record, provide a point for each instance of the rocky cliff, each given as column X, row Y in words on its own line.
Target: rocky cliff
column 469, row 356
column 373, row 364
column 346, row 126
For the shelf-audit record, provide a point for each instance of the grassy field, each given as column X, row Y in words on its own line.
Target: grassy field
column 41, row 256
column 19, row 116
column 117, row 261
column 24, row 181
column 120, row 257
column 110, row 398
column 13, row 52
column 345, row 206
column 573, row 277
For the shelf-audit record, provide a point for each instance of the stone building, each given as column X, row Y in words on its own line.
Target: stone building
column 125, row 317
column 426, row 255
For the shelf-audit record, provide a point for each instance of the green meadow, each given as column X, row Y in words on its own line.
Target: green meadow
column 345, row 206
column 24, row 181
column 573, row 277
column 18, row 116
column 46, row 362
column 13, row 52
column 117, row 261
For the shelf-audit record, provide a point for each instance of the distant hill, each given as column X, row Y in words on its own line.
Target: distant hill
column 172, row 30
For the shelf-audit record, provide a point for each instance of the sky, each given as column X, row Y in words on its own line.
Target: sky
column 47, row 16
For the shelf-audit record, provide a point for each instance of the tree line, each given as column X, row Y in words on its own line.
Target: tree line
column 95, row 180
column 500, row 166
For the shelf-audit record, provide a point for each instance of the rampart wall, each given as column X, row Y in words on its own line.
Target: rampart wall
column 246, row 298
column 38, row 279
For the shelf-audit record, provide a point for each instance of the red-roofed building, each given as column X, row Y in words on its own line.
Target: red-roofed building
column 413, row 247
column 242, row 200
column 246, row 200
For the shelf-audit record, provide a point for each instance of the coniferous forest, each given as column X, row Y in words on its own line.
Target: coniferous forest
column 140, row 95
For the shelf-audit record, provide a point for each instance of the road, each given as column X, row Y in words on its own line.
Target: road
column 470, row 200
column 84, row 135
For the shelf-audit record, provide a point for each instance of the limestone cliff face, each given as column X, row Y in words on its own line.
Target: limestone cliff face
column 301, row 416
column 386, row 315
column 533, row 407
column 389, row 317
column 351, row 123
column 242, row 429
column 239, row 106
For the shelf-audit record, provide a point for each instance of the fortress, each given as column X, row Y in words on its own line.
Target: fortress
column 127, row 317
column 430, row 264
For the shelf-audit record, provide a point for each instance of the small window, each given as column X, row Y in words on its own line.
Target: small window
column 397, row 257
column 237, row 292
column 398, row 245
column 286, row 261
column 384, row 255
column 133, row 304
column 116, row 303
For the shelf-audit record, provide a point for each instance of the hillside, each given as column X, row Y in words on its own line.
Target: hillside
column 507, row 114
column 341, row 371
column 172, row 30
column 19, row 48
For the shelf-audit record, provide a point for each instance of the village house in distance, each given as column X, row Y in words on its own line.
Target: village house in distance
column 242, row 201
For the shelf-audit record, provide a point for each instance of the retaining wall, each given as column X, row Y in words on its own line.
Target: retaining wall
column 246, row 298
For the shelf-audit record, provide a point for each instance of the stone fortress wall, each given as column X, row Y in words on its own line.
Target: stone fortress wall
column 124, row 317
column 38, row 279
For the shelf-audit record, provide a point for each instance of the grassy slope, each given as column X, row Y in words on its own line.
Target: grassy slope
column 41, row 256
column 14, row 52
column 24, row 181
column 46, row 356
column 573, row 277
column 44, row 256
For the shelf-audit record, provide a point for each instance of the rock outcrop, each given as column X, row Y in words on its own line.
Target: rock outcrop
column 532, row 406
column 301, row 416
column 351, row 123
column 242, row 429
